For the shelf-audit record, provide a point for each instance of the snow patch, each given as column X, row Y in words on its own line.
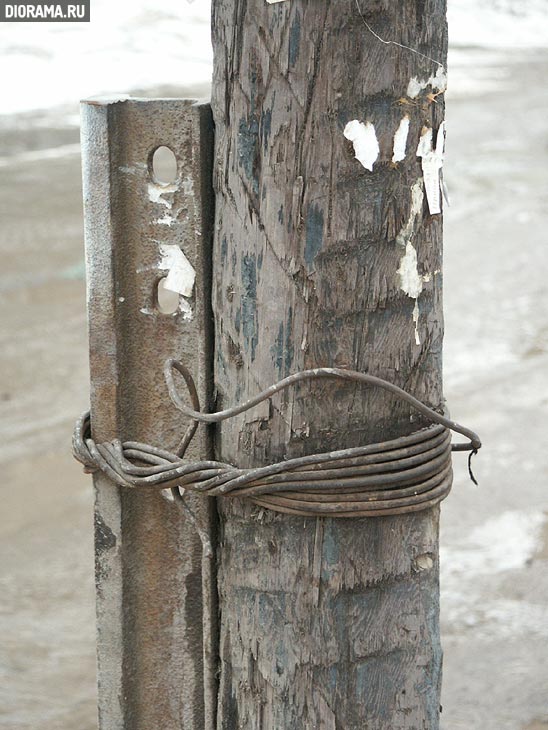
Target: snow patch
column 498, row 24
column 505, row 542
column 50, row 153
column 130, row 44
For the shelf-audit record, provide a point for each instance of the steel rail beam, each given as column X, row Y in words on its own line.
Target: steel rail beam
column 156, row 656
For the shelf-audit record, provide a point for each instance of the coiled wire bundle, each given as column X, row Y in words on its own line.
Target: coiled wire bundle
column 402, row 475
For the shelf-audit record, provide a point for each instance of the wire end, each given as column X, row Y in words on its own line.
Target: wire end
column 470, row 472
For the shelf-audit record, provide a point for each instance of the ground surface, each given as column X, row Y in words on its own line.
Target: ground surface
column 494, row 538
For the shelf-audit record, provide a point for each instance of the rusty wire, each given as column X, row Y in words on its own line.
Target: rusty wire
column 402, row 475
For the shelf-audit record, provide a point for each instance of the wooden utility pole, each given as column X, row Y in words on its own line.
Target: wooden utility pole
column 325, row 623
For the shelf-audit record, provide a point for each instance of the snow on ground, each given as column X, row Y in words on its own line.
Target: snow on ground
column 129, row 44
column 517, row 24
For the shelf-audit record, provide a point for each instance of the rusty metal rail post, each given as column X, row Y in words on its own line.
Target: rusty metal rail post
column 152, row 672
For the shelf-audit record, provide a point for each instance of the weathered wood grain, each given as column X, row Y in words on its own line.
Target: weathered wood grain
column 328, row 624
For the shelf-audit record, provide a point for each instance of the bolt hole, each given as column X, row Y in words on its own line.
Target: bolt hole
column 164, row 166
column 168, row 301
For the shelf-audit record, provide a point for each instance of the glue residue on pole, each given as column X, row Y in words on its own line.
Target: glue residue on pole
column 438, row 82
column 364, row 139
column 400, row 140
column 166, row 220
column 411, row 282
column 417, row 199
column 156, row 194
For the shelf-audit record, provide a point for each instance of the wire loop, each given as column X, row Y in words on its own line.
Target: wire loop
column 401, row 475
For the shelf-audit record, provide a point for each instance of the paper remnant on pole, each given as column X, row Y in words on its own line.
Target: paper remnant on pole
column 432, row 162
column 181, row 276
column 364, row 139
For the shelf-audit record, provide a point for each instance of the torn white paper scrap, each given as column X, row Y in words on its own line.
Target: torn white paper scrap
column 432, row 162
column 416, row 322
column 425, row 142
column 364, row 139
column 270, row 2
column 181, row 274
column 185, row 308
column 400, row 140
column 438, row 82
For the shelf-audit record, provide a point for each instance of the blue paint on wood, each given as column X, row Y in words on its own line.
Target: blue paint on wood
column 330, row 552
column 248, row 150
column 376, row 681
column 314, row 235
column 295, row 39
column 289, row 349
column 277, row 348
column 224, row 249
column 266, row 127
column 249, row 303
column 282, row 350
column 430, row 598
column 333, row 677
column 233, row 260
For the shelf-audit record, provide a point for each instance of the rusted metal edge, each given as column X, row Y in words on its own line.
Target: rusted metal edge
column 156, row 661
